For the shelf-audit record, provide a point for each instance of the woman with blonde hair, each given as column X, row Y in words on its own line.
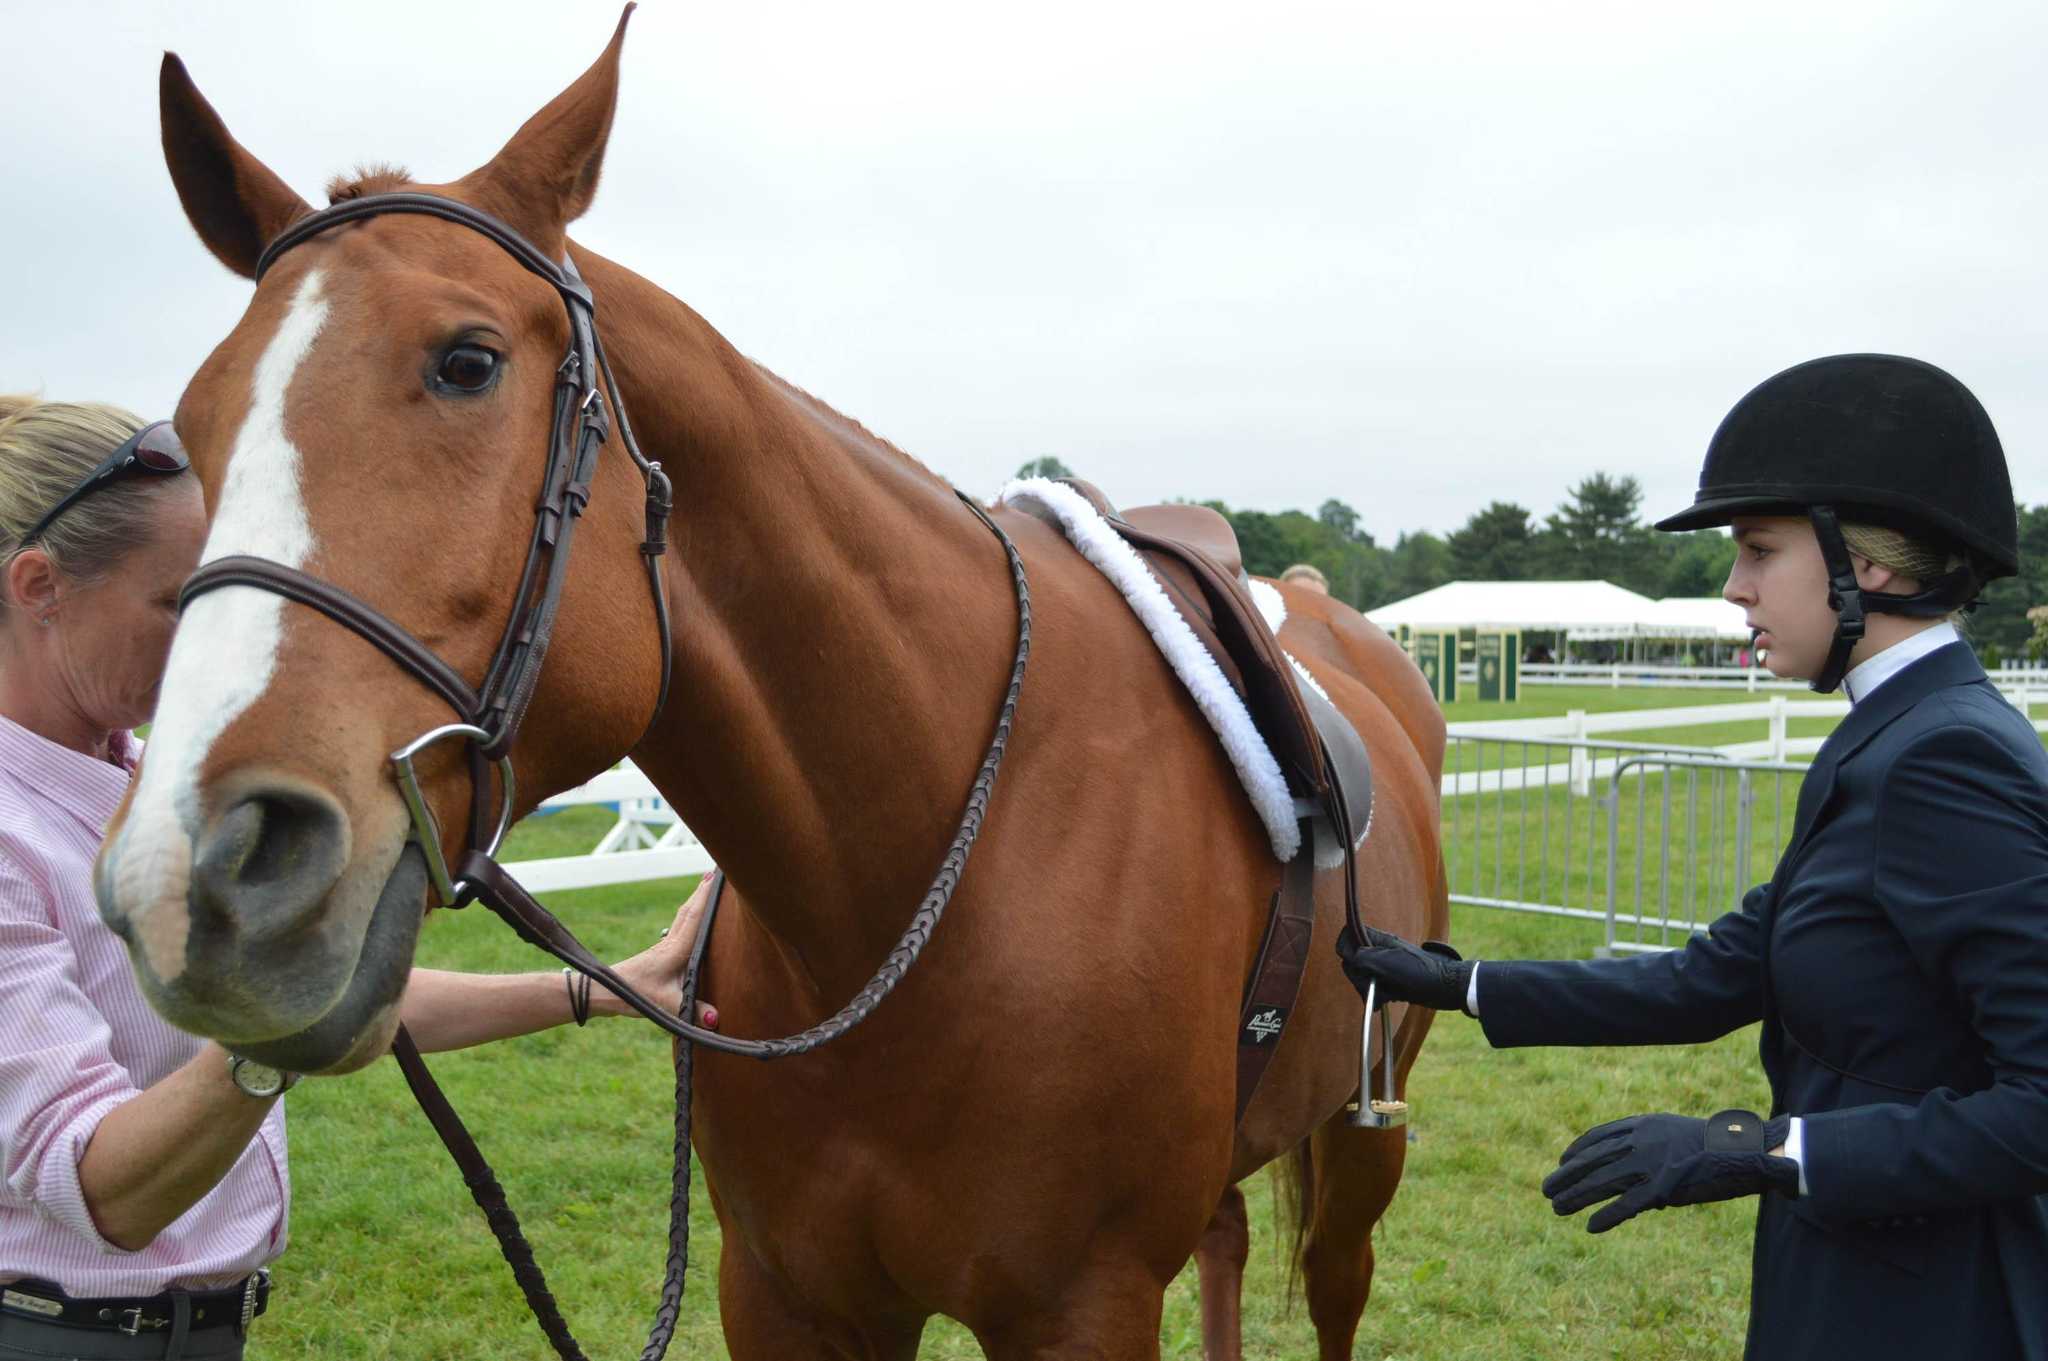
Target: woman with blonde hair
column 143, row 1178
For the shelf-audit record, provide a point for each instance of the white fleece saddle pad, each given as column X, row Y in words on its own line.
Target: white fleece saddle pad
column 1218, row 701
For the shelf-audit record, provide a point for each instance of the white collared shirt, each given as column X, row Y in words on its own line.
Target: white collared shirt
column 1863, row 680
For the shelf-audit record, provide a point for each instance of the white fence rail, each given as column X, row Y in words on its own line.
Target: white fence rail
column 1646, row 675
column 1632, row 675
column 1580, row 723
column 648, row 841
column 1776, row 712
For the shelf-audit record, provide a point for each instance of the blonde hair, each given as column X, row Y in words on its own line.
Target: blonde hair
column 1917, row 558
column 45, row 448
column 1923, row 561
column 1302, row 571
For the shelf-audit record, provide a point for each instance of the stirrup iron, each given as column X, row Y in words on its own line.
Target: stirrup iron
column 1386, row 1111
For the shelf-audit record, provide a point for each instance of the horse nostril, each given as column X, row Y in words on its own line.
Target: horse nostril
column 267, row 863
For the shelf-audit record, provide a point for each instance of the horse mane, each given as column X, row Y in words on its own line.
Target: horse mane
column 367, row 179
column 841, row 423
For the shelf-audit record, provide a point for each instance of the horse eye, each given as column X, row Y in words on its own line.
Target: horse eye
column 468, row 368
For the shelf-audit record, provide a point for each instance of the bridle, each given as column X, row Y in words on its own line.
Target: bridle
column 492, row 713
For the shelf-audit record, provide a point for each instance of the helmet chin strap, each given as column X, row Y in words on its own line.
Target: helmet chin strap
column 1845, row 598
column 1852, row 604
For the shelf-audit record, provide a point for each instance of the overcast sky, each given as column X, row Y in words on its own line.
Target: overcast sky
column 1415, row 256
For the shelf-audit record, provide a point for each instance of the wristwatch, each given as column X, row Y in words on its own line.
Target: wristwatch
column 259, row 1080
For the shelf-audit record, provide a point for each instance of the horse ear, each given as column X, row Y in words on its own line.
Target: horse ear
column 546, row 176
column 234, row 201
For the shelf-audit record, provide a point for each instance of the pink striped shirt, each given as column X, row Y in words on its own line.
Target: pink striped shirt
column 77, row 1040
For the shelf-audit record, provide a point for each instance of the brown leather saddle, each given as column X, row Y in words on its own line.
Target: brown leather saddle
column 1194, row 553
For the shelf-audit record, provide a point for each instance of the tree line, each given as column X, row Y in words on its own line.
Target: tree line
column 1597, row 533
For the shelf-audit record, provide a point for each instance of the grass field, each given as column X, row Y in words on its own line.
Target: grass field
column 390, row 1259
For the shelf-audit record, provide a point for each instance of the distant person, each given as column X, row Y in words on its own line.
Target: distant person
column 1898, row 959
column 1308, row 577
column 145, row 1185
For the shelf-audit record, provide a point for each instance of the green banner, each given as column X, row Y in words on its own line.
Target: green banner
column 1499, row 657
column 1429, row 658
column 1436, row 653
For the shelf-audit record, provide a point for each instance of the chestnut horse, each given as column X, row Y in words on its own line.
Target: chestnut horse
column 1035, row 1132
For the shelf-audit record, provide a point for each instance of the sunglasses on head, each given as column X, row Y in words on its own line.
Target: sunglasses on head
column 152, row 449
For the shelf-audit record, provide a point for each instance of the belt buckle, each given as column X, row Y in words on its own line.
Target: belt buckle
column 258, row 1278
column 129, row 1322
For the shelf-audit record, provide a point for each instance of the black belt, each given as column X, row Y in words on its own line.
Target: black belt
column 44, row 1302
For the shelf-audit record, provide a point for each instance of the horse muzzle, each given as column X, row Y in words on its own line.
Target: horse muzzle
column 278, row 947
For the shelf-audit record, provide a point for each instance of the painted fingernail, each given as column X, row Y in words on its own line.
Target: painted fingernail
column 711, row 1017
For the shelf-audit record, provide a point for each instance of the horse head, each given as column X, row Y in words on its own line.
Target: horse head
column 380, row 420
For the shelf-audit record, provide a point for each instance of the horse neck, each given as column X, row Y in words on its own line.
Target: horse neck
column 844, row 631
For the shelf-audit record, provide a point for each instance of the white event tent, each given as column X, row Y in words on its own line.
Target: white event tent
column 1587, row 609
column 1706, row 616
column 1584, row 611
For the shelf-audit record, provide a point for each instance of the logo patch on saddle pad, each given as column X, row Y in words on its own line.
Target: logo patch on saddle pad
column 1263, row 1025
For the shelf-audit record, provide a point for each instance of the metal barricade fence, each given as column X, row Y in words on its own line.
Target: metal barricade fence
column 1653, row 840
column 1687, row 837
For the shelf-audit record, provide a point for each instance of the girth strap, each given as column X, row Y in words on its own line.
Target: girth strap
column 1275, row 980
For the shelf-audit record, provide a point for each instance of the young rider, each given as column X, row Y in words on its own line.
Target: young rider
column 1898, row 958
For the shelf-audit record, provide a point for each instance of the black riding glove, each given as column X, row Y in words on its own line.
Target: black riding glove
column 1651, row 1161
column 1430, row 975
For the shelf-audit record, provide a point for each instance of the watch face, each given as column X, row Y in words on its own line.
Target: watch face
column 257, row 1079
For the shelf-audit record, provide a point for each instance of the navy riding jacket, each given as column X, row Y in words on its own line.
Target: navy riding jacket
column 1898, row 960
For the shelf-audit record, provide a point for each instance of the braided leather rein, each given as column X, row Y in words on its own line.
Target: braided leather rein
column 493, row 712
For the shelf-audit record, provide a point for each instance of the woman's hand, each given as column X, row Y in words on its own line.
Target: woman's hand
column 657, row 971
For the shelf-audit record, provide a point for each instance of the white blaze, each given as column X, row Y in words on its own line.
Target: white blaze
column 225, row 650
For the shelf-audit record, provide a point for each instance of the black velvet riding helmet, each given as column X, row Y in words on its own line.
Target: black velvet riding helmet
column 1876, row 438
column 1882, row 438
